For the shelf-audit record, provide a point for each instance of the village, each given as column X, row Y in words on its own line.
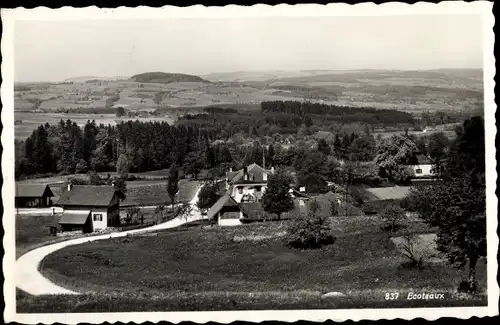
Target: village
column 257, row 164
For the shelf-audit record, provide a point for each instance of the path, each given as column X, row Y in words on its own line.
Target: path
column 29, row 278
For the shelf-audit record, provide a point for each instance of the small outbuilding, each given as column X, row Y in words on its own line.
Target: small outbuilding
column 33, row 196
column 89, row 208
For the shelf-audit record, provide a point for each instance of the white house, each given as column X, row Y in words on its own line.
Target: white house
column 89, row 208
column 247, row 184
column 422, row 166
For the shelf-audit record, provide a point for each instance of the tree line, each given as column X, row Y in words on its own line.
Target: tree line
column 368, row 115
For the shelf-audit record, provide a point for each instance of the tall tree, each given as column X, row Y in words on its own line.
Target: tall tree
column 438, row 144
column 173, row 183
column 276, row 198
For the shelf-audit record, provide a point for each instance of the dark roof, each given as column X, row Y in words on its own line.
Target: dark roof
column 87, row 195
column 33, row 190
column 255, row 175
column 323, row 135
column 75, row 217
column 225, row 201
column 421, row 159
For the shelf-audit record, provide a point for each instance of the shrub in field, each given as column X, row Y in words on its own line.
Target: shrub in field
column 393, row 217
column 311, row 231
column 409, row 250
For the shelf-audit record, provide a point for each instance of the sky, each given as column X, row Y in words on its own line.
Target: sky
column 56, row 50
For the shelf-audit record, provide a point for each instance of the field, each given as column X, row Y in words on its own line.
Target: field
column 413, row 91
column 33, row 230
column 245, row 267
column 32, row 120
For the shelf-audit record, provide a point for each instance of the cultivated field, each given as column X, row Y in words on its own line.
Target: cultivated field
column 204, row 268
column 414, row 91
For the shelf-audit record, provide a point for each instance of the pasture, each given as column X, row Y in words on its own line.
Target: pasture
column 220, row 270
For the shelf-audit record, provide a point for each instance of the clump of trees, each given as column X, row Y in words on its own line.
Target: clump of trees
column 310, row 231
column 457, row 205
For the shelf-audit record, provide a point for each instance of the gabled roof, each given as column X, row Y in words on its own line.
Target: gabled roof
column 74, row 217
column 33, row 190
column 225, row 201
column 255, row 175
column 323, row 135
column 87, row 195
column 421, row 159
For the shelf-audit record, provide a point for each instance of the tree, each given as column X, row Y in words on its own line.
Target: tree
column 323, row 147
column 311, row 231
column 122, row 166
column 276, row 198
column 438, row 144
column 393, row 155
column 120, row 186
column 173, row 183
column 81, row 167
column 207, row 197
column 457, row 205
column 392, row 216
column 363, row 148
column 120, row 111
column 159, row 213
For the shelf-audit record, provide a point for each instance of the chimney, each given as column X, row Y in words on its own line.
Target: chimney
column 230, row 169
column 302, row 189
column 245, row 173
column 272, row 169
column 69, row 187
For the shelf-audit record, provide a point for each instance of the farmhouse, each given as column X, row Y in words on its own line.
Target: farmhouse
column 421, row 166
column 33, row 196
column 247, row 184
column 227, row 212
column 89, row 208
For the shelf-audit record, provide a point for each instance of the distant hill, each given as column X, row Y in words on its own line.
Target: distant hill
column 165, row 78
column 88, row 78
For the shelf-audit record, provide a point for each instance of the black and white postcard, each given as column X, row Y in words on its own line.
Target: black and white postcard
column 304, row 162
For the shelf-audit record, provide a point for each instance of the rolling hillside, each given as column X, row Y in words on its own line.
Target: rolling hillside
column 166, row 78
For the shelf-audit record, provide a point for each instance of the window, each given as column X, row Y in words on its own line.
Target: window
column 418, row 171
column 97, row 217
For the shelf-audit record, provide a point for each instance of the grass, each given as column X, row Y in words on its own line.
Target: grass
column 209, row 266
column 223, row 301
column 31, row 231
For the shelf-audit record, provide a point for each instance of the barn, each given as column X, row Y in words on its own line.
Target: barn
column 33, row 196
column 89, row 208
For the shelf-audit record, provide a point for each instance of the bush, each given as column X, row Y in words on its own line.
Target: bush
column 311, row 231
column 392, row 216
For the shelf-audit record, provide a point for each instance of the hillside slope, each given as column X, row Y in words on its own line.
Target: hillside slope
column 165, row 78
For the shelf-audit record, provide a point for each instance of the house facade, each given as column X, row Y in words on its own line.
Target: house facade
column 247, row 184
column 422, row 166
column 33, row 196
column 89, row 208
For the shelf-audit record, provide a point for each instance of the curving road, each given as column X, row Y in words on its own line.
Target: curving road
column 29, row 278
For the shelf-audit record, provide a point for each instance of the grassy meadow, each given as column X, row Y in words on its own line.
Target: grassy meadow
column 248, row 267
